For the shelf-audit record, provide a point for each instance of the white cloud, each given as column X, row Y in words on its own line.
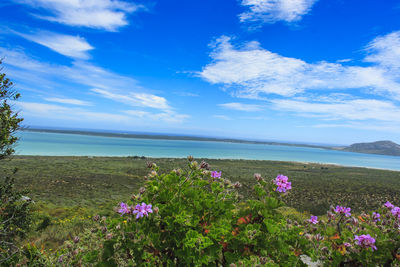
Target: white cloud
column 385, row 51
column 136, row 99
column 67, row 45
column 350, row 110
column 128, row 117
column 101, row 14
column 241, row 106
column 80, row 72
column 70, row 101
column 252, row 71
column 271, row 11
column 332, row 94
column 85, row 77
column 42, row 110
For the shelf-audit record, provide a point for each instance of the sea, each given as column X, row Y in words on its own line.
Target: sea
column 66, row 144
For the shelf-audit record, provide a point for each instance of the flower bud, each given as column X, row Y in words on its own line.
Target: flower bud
column 142, row 190
column 318, row 237
column 194, row 165
column 149, row 164
column 118, row 227
column 156, row 210
column 263, row 260
column 206, row 173
column 75, row 252
column 190, row 158
column 109, row 236
column 177, row 171
column 104, row 229
column 257, row 176
column 204, row 165
column 237, row 185
column 76, row 239
column 96, row 218
column 308, row 236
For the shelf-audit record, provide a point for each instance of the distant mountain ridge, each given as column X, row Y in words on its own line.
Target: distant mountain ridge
column 379, row 147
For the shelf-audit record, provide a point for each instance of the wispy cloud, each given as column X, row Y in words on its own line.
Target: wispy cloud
column 271, row 11
column 168, row 116
column 52, row 111
column 67, row 45
column 136, row 99
column 356, row 110
column 241, row 106
column 127, row 117
column 89, row 78
column 100, row 14
column 385, row 51
column 70, row 101
column 252, row 71
column 222, row 117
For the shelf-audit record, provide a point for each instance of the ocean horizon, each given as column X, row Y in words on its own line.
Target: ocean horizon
column 67, row 144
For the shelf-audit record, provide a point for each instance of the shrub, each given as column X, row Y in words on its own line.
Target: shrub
column 196, row 217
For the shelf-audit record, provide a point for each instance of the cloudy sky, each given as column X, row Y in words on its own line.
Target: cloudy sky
column 321, row 71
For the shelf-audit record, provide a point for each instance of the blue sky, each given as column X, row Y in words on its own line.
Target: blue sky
column 321, row 71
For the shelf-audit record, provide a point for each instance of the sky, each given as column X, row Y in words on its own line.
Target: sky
column 313, row 71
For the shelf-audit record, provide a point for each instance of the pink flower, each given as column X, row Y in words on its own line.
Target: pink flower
column 375, row 217
column 343, row 210
column 124, row 209
column 141, row 210
column 215, row 174
column 313, row 220
column 282, row 182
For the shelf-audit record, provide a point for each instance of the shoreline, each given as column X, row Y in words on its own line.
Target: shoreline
column 202, row 158
column 179, row 137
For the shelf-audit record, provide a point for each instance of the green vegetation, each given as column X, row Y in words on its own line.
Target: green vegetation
column 92, row 181
column 196, row 217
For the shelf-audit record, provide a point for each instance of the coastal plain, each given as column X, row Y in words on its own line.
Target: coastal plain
column 105, row 181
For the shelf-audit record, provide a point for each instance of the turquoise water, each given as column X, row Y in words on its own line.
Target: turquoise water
column 57, row 144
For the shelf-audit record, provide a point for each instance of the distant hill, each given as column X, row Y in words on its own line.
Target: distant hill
column 379, row 147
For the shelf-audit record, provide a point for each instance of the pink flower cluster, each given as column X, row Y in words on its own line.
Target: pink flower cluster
column 389, row 205
column 282, row 182
column 365, row 241
column 343, row 210
column 139, row 210
column 395, row 210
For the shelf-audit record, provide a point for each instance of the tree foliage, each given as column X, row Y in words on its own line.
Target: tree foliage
column 9, row 119
column 14, row 207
